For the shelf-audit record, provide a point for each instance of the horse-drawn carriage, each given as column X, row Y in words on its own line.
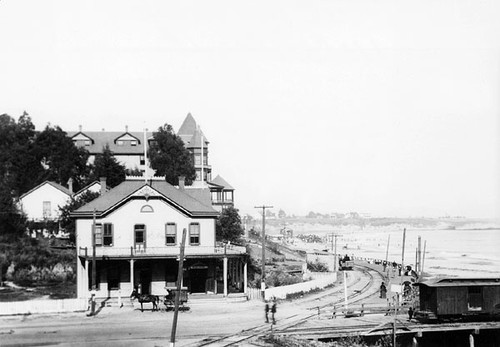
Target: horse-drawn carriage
column 168, row 300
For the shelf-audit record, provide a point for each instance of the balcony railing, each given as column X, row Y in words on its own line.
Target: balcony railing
column 159, row 251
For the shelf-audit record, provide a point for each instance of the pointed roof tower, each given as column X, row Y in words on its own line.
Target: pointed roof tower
column 188, row 130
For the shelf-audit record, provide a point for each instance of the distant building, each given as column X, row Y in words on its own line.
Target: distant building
column 128, row 149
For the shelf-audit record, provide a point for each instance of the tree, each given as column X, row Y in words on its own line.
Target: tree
column 228, row 226
column 67, row 223
column 19, row 168
column 106, row 165
column 60, row 157
column 12, row 221
column 170, row 158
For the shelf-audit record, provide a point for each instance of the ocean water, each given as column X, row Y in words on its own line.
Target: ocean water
column 461, row 252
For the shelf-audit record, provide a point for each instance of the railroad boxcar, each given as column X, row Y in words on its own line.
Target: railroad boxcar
column 445, row 299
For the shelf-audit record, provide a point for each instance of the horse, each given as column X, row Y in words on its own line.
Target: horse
column 154, row 299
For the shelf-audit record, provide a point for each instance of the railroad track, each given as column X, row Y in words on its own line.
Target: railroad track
column 359, row 291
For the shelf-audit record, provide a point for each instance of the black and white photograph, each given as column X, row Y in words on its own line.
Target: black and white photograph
column 285, row 173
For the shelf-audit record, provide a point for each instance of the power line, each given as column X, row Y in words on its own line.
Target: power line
column 263, row 275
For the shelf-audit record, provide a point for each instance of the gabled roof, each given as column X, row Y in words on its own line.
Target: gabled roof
column 125, row 191
column 221, row 182
column 53, row 184
column 101, row 138
column 459, row 282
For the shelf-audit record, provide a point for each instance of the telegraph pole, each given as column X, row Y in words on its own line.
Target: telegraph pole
column 179, row 288
column 334, row 250
column 94, row 286
column 263, row 276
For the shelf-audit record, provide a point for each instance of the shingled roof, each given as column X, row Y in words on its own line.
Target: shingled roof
column 102, row 138
column 188, row 130
column 221, row 182
column 119, row 195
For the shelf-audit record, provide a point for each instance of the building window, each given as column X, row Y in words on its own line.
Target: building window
column 107, row 237
column 140, row 234
column 147, row 209
column 98, row 234
column 47, row 211
column 197, row 159
column 141, row 160
column 228, row 196
column 133, row 143
column 87, row 142
column 170, row 233
column 119, row 143
column 194, row 234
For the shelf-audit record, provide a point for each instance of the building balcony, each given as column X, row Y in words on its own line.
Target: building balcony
column 160, row 252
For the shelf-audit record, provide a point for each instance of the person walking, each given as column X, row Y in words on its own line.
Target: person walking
column 410, row 313
column 273, row 311
column 383, row 291
column 266, row 309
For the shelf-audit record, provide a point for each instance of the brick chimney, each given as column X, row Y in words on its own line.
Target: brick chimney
column 103, row 185
column 181, row 182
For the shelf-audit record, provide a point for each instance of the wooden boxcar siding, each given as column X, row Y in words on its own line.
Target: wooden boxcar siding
column 491, row 297
column 451, row 300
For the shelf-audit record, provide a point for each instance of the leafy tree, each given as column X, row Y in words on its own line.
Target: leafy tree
column 60, row 157
column 170, row 158
column 68, row 223
column 281, row 214
column 12, row 221
column 106, row 165
column 20, row 170
column 228, row 226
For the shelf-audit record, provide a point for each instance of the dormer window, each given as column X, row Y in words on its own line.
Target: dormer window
column 119, row 143
column 133, row 143
column 87, row 142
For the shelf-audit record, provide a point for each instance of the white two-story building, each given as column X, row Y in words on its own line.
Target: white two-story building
column 138, row 229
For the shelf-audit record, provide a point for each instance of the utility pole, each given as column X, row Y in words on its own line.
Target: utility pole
column 263, row 276
column 334, row 250
column 94, row 287
column 178, row 291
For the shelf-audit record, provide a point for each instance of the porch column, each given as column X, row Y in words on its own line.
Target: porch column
column 245, row 283
column 131, row 274
column 84, row 287
column 225, row 275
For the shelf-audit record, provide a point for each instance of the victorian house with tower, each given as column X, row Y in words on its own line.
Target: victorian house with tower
column 133, row 232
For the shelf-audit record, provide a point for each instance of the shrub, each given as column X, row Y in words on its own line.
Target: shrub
column 317, row 266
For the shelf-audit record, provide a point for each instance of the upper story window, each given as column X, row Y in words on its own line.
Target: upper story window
column 103, row 234
column 87, row 142
column 194, row 234
column 147, row 209
column 47, row 210
column 170, row 233
column 133, row 143
column 140, row 234
column 119, row 143
column 197, row 159
column 228, row 196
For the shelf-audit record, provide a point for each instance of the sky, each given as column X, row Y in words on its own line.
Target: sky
column 387, row 107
